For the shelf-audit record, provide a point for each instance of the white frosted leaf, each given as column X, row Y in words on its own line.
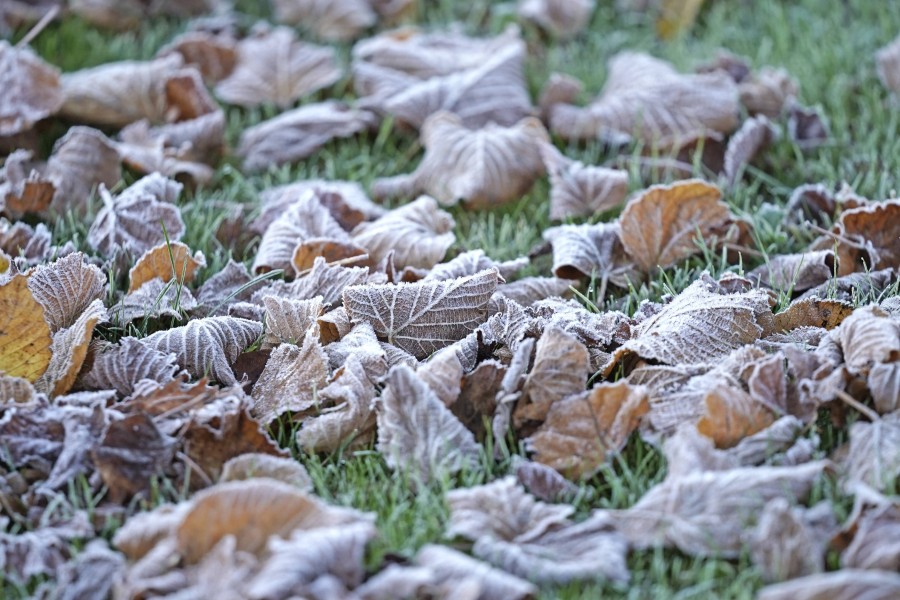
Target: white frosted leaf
column 418, row 234
column 290, row 380
column 590, row 250
column 345, row 200
column 528, row 290
column 578, row 190
column 65, row 288
column 790, row 542
column 797, row 272
column 275, row 67
column 458, row 572
column 154, row 299
column 423, row 317
column 482, row 167
column 31, row 89
column 874, row 454
column 207, row 346
column 754, row 136
column 417, row 432
column 328, row 281
column 81, row 160
column 119, row 367
column 336, row 20
column 288, row 320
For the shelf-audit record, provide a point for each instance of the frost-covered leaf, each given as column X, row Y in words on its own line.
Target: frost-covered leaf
column 66, row 288
column 334, row 20
column 658, row 228
column 455, row 572
column 582, row 432
column 291, row 379
column 704, row 513
column 590, row 250
column 471, row 262
column 345, row 200
column 288, row 320
column 328, row 281
column 874, row 454
column 754, row 136
column 153, row 300
column 418, row 234
column 531, row 539
column 483, row 167
column 25, row 337
column 543, row 482
column 116, row 94
column 121, row 366
column 563, row 18
column 134, row 220
column 166, row 261
column 252, row 465
column 81, row 160
column 846, row 584
column 528, row 290
column 578, row 190
column 888, row 63
column 207, row 346
column 31, row 89
column 645, row 95
column 296, row 134
column 796, row 272
column 276, row 67
column 700, row 325
column 69, row 348
column 426, row 316
column 867, row 238
column 807, row 126
column 417, row 432
column 732, row 415
column 874, row 526
column 867, row 337
column 23, row 188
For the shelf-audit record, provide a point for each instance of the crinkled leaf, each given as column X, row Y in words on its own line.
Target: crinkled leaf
column 70, row 347
column 66, row 288
column 120, row 367
column 578, row 190
column 166, row 261
column 291, row 379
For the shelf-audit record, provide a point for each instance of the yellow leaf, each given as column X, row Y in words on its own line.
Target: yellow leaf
column 676, row 16
column 24, row 334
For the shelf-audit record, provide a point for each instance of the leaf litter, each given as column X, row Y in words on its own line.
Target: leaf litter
column 365, row 330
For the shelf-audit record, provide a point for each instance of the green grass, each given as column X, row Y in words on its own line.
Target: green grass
column 828, row 45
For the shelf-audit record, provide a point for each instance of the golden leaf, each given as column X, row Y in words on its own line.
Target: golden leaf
column 731, row 415
column 24, row 334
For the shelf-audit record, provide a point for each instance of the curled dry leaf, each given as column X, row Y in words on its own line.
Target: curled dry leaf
column 543, row 482
column 291, row 379
column 768, row 92
column 213, row 55
column 81, row 160
column 482, row 168
column 658, row 227
column 31, row 89
column 812, row 312
column 807, row 126
column 867, row 337
column 704, row 513
column 532, row 539
column 418, row 234
column 887, row 60
column 116, row 94
column 582, row 432
column 23, row 189
column 345, row 200
column 874, row 526
column 701, row 325
column 296, row 134
column 588, row 251
column 417, row 432
column 562, row 18
column 868, row 238
column 167, row 261
column 25, row 337
column 66, row 288
column 139, row 218
column 846, row 584
column 423, row 317
column 334, row 20
column 121, row 366
column 754, row 136
column 207, row 346
column 275, row 67
column 69, row 348
column 577, row 190
column 645, row 96
column 817, row 204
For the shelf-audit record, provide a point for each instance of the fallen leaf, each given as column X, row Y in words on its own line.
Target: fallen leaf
column 153, row 300
column 867, row 237
column 121, row 366
column 328, row 281
column 732, row 415
column 459, row 572
column 25, row 337
column 288, row 320
column 207, row 346
column 426, row 316
column 338, row 21
column 846, row 584
column 887, row 61
column 92, row 573
column 345, row 200
column 215, row 56
column 296, row 134
column 813, row 312
column 867, row 337
column 418, row 234
column 582, row 432
column 291, row 379
column 873, row 457
column 807, row 126
column 275, row 67
column 590, row 251
column 23, row 189
column 873, row 526
column 81, row 160
column 658, row 227
column 562, row 18
column 65, row 289
column 645, row 96
column 543, row 482
column 69, row 348
column 167, row 261
column 577, row 190
column 417, row 432
column 252, row 465
column 139, row 218
column 32, row 89
column 754, row 136
column 768, row 92
column 795, row 272
column 484, row 167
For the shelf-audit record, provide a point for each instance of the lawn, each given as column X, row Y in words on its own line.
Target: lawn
column 827, row 45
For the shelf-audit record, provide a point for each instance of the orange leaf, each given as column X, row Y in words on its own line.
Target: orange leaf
column 167, row 261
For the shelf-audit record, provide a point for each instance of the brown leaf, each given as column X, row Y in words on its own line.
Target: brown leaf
column 70, row 347
column 345, row 200
column 754, row 136
column 850, row 287
column 419, row 234
column 134, row 220
column 646, row 95
column 476, row 402
column 275, row 67
column 846, row 584
column 31, row 87
column 531, row 539
column 543, row 482
column 280, row 468
column 561, row 368
column 23, row 189
column 132, row 452
column 214, row 56
column 25, row 337
column 426, row 316
column 291, row 379
column 417, row 432
column 207, row 346
column 167, row 261
column 807, row 126
column 589, row 250
column 577, row 190
column 335, row 20
column 81, row 160
column 582, row 432
column 120, row 367
column 732, row 415
column 658, row 228
column 296, row 134
column 795, row 272
column 768, row 92
column 812, row 312
column 66, row 288
column 116, row 94
column 16, row 390
column 888, row 63
column 188, row 147
column 562, row 18
column 484, row 167
column 867, row 337
column 867, row 237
